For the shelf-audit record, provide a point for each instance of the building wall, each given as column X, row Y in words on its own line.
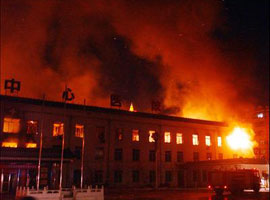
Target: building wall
column 111, row 120
column 260, row 123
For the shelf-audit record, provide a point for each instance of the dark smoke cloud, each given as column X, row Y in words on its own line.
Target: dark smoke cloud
column 179, row 52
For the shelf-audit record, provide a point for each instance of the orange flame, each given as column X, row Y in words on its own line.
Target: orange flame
column 10, row 144
column 31, row 145
column 241, row 140
column 131, row 108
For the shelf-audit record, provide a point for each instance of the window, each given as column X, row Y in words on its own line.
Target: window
column 99, row 153
column 220, row 156
column 179, row 138
column 152, row 156
column 167, row 137
column 209, row 156
column 11, row 125
column 79, row 130
column 98, row 176
column 78, row 152
column 196, row 156
column 168, row 156
column 136, row 154
column 195, row 139
column 101, row 134
column 135, row 135
column 180, row 156
column 135, row 176
column 207, row 140
column 118, row 154
column 168, row 176
column 196, row 175
column 118, row 176
column 10, row 144
column 119, row 134
column 31, row 145
column 58, row 128
column 152, row 176
column 219, row 141
column 152, row 135
column 204, row 175
column 260, row 115
column 32, row 127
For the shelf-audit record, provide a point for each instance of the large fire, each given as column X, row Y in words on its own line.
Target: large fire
column 240, row 140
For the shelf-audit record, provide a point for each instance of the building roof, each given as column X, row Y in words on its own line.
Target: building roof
column 55, row 104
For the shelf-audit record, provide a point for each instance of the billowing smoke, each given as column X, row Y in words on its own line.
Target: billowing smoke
column 172, row 51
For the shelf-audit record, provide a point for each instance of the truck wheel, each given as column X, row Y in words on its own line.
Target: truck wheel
column 219, row 192
column 234, row 191
column 256, row 189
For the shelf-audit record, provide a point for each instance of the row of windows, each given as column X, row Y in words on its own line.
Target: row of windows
column 197, row 176
column 167, row 137
column 118, row 155
column 12, row 126
column 135, row 176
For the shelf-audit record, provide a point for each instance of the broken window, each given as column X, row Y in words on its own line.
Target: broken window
column 32, row 127
column 11, row 125
column 58, row 128
column 135, row 135
column 79, row 130
column 152, row 135
column 10, row 144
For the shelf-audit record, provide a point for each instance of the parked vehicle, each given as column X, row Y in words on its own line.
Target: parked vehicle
column 234, row 181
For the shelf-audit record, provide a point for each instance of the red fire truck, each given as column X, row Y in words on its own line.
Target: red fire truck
column 234, row 181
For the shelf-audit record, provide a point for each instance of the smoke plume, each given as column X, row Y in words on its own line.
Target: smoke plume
column 172, row 51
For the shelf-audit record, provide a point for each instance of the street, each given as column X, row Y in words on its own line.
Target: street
column 181, row 195
column 170, row 194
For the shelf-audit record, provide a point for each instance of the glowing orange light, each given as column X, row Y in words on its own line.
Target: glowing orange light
column 10, row 144
column 239, row 139
column 131, row 108
column 225, row 187
column 31, row 145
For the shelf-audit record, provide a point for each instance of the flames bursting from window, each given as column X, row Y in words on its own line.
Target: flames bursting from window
column 240, row 140
column 10, row 144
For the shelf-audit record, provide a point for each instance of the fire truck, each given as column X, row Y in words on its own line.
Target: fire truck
column 235, row 181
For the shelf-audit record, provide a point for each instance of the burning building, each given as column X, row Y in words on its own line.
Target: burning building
column 260, row 123
column 122, row 148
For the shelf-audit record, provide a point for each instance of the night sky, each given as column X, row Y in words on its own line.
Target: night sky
column 202, row 59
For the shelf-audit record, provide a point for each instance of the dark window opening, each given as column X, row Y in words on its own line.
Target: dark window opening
column 168, row 156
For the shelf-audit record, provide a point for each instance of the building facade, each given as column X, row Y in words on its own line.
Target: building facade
column 122, row 148
column 260, row 123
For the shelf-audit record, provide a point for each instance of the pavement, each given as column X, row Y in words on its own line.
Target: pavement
column 173, row 194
